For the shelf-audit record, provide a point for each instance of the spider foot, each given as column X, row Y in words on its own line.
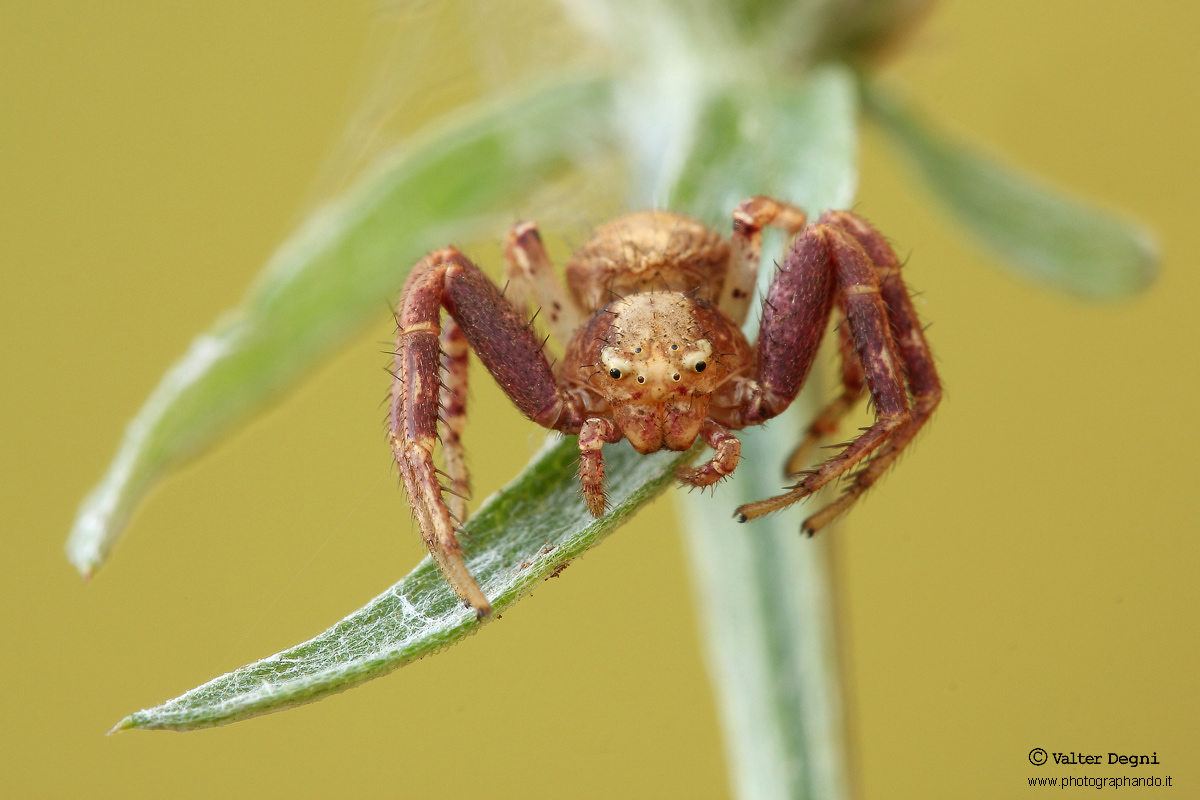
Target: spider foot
column 596, row 502
column 481, row 613
column 826, row 515
column 591, row 463
column 759, row 508
column 709, row 474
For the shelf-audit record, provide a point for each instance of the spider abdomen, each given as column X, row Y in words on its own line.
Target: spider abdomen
column 647, row 251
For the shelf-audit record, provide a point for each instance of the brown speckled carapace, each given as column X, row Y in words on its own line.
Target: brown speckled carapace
column 651, row 320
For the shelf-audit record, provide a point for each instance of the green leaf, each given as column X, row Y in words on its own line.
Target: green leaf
column 1049, row 237
column 335, row 273
column 520, row 536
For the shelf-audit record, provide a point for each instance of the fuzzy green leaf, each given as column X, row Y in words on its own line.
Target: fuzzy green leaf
column 1049, row 237
column 520, row 536
column 334, row 274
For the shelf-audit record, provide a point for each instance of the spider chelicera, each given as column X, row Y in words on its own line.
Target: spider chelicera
column 651, row 320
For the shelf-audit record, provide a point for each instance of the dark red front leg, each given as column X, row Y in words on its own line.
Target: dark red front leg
column 830, row 249
column 914, row 352
column 511, row 353
column 827, row 421
column 794, row 318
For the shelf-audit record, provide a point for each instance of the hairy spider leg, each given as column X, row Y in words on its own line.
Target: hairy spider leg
column 453, row 402
column 746, row 249
column 795, row 315
column 509, row 350
column 595, row 432
column 531, row 277
column 727, row 450
column 859, row 288
column 826, row 423
column 913, row 350
column 533, row 281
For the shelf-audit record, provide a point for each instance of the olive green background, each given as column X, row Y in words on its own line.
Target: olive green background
column 1026, row 578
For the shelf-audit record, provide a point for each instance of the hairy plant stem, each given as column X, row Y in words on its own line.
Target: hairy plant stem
column 762, row 589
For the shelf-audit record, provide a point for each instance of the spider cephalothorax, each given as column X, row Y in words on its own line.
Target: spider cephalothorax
column 655, row 354
column 655, row 358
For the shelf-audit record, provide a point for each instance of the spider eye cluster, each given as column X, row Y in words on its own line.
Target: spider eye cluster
column 694, row 357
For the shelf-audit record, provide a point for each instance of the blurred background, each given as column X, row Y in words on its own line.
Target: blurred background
column 1026, row 578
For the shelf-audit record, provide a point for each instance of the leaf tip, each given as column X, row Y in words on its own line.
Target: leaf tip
column 123, row 725
column 1131, row 270
column 84, row 546
column 86, row 567
column 1151, row 256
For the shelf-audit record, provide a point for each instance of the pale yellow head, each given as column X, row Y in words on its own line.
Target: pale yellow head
column 658, row 370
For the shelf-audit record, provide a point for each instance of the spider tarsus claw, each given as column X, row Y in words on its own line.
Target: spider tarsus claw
column 812, row 526
column 481, row 612
column 740, row 517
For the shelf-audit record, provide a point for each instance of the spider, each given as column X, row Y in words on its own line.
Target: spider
column 650, row 318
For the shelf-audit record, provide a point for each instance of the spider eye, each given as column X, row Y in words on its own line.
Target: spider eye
column 700, row 365
column 615, row 374
column 674, row 347
column 641, row 378
column 675, row 377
